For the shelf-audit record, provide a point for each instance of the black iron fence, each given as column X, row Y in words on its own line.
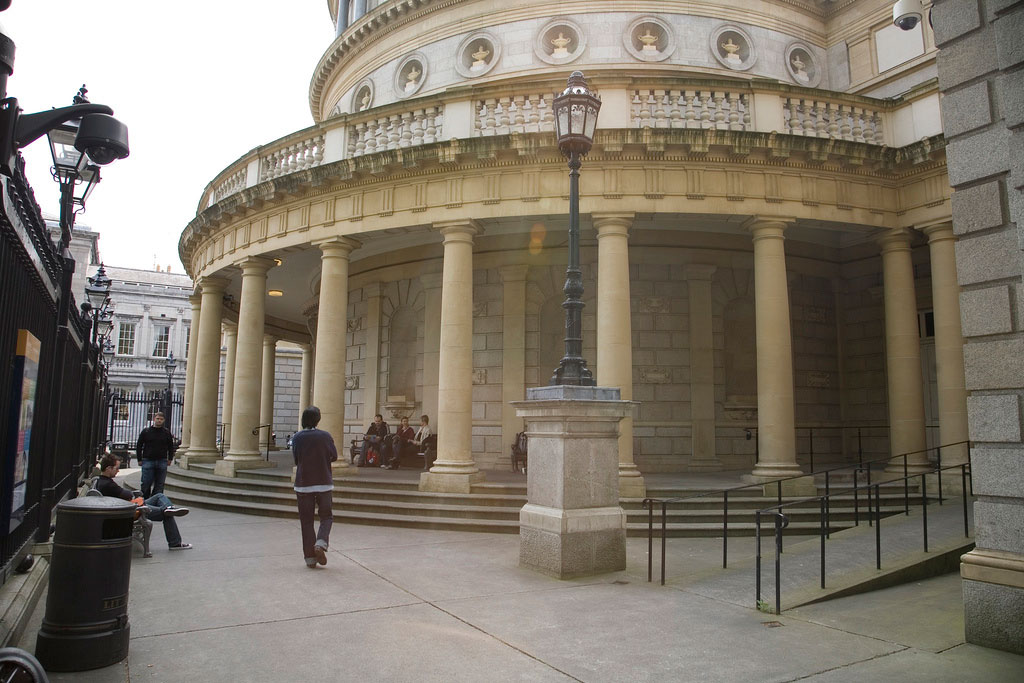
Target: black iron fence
column 128, row 413
column 50, row 377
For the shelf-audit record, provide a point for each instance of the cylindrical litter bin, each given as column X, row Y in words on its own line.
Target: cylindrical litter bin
column 86, row 622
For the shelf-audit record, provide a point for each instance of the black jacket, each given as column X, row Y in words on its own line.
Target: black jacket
column 314, row 451
column 155, row 443
column 109, row 487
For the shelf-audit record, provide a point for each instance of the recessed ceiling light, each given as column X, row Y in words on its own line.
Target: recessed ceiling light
column 275, row 292
column 277, row 261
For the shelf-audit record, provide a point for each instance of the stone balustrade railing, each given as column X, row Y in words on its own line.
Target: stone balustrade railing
column 482, row 112
column 392, row 131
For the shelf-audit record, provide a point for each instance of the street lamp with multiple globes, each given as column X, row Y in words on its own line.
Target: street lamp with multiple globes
column 169, row 367
column 576, row 110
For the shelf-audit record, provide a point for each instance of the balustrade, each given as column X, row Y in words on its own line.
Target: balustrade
column 294, row 157
column 394, row 131
column 822, row 119
column 234, row 183
column 718, row 109
column 514, row 114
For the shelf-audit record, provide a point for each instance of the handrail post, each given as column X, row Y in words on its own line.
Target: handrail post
column 778, row 561
column 810, row 446
column 828, row 504
column 649, row 504
column 725, row 529
column 906, row 487
column 963, row 489
column 869, row 493
column 823, row 531
column 757, row 562
column 856, row 497
column 878, row 527
column 938, row 470
column 664, row 504
column 924, row 509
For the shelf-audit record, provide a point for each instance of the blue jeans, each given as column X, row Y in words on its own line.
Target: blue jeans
column 154, row 473
column 157, row 503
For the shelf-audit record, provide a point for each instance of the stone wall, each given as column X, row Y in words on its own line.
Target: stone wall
column 980, row 74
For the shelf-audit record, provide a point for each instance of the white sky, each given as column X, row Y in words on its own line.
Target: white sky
column 198, row 84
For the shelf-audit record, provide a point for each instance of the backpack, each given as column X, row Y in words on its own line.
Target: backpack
column 372, row 456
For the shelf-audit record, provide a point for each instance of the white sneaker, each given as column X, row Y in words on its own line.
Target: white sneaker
column 180, row 546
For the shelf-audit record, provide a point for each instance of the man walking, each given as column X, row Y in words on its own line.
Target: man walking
column 155, row 449
column 313, row 450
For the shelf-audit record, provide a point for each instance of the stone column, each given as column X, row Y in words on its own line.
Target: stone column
column 572, row 524
column 267, row 389
column 513, row 350
column 244, row 451
column 371, row 377
column 702, row 368
column 615, row 334
column 454, row 470
column 949, row 344
column 230, row 345
column 776, row 422
column 190, row 376
column 331, row 335
column 306, row 381
column 203, row 445
column 903, row 355
column 431, row 344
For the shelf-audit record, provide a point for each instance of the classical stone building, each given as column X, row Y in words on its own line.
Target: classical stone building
column 767, row 244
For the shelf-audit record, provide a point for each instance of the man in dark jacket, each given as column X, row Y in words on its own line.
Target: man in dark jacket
column 314, row 451
column 374, row 438
column 158, row 506
column 155, row 449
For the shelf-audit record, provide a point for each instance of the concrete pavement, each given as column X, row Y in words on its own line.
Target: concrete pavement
column 399, row 604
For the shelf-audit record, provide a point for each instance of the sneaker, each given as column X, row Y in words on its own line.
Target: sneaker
column 311, row 562
column 180, row 546
column 175, row 511
column 321, row 554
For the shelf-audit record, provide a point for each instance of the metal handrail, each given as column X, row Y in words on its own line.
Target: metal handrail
column 648, row 503
column 776, row 511
column 270, row 430
column 225, row 436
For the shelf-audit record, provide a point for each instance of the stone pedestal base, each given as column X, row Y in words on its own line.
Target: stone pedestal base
column 631, row 483
column 193, row 457
column 572, row 524
column 804, row 486
column 442, row 482
column 994, row 599
column 231, row 468
column 570, row 543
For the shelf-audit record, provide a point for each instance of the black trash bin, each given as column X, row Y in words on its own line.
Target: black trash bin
column 86, row 622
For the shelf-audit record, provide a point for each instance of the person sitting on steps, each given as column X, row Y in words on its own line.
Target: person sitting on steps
column 158, row 506
column 400, row 444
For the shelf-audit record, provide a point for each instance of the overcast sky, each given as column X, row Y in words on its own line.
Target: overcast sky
column 198, row 83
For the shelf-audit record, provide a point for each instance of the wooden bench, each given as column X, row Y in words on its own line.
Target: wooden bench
column 142, row 528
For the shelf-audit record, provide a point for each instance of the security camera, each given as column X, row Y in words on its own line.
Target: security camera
column 103, row 138
column 907, row 13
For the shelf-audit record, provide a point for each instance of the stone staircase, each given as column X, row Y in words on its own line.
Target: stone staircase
column 392, row 498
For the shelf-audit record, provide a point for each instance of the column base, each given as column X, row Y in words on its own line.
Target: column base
column 449, row 482
column 631, row 482
column 570, row 543
column 193, row 457
column 804, row 486
column 231, row 468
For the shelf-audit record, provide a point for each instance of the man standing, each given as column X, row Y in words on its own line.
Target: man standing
column 160, row 508
column 155, row 449
column 313, row 450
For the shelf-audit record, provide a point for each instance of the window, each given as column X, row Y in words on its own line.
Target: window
column 188, row 338
column 126, row 339
column 162, row 339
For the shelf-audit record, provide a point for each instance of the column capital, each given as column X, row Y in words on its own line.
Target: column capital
column 211, row 284
column 612, row 223
column 255, row 265
column 269, row 339
column 458, row 231
column 896, row 239
column 335, row 247
column 938, row 231
column 195, row 299
column 431, row 280
column 699, row 271
column 513, row 273
column 768, row 226
column 229, row 327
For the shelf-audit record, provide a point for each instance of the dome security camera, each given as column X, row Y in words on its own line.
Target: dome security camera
column 103, row 138
column 906, row 14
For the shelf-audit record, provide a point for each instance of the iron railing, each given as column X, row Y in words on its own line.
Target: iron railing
column 270, row 432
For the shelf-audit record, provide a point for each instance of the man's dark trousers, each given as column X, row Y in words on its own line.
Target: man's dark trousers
column 307, row 501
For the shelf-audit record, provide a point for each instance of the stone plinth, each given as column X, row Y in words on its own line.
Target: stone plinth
column 231, row 467
column 572, row 524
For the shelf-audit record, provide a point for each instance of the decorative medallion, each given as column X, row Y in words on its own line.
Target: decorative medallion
column 560, row 41
column 802, row 66
column 362, row 96
column 410, row 74
column 733, row 48
column 649, row 39
column 477, row 54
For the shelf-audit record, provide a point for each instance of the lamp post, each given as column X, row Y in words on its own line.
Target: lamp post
column 99, row 305
column 576, row 110
column 169, row 367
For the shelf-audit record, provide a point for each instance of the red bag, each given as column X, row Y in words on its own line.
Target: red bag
column 372, row 456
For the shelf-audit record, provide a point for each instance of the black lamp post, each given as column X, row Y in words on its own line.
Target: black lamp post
column 99, row 305
column 169, row 367
column 576, row 112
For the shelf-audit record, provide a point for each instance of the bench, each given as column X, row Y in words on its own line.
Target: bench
column 407, row 459
column 519, row 452
column 142, row 528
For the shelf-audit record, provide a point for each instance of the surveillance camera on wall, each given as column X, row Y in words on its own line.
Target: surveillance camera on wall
column 906, row 14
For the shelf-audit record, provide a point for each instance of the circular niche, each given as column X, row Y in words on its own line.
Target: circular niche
column 802, row 66
column 362, row 96
column 650, row 39
column 477, row 54
column 410, row 74
column 733, row 48
column 560, row 41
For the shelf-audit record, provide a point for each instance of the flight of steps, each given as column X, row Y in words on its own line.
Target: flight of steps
column 387, row 498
